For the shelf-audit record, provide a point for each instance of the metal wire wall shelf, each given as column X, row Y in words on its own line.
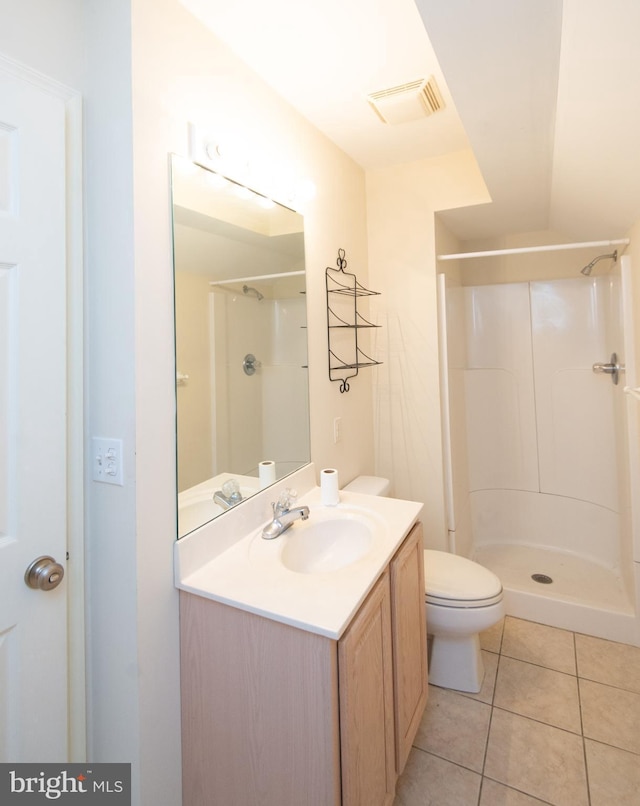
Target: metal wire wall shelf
column 344, row 322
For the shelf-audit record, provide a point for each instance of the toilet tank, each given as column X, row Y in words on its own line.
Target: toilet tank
column 370, row 485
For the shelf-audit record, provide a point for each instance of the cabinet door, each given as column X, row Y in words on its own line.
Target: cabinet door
column 408, row 624
column 366, row 703
column 259, row 710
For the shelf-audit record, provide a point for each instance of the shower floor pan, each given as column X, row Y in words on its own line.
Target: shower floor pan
column 583, row 597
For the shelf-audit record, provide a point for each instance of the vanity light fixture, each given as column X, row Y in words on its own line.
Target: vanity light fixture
column 230, row 157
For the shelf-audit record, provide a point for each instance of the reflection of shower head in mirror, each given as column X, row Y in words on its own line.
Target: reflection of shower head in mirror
column 587, row 269
column 249, row 291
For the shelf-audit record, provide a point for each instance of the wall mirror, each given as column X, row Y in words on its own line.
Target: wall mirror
column 241, row 342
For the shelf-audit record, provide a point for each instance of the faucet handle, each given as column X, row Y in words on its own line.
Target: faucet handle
column 231, row 488
column 286, row 498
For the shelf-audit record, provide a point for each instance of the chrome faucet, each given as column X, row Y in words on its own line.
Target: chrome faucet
column 284, row 514
column 229, row 495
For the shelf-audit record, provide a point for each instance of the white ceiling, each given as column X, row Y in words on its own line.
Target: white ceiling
column 544, row 92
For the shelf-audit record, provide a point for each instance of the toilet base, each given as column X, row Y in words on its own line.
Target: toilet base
column 456, row 662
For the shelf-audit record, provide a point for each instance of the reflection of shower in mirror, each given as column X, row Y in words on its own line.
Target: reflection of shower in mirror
column 249, row 291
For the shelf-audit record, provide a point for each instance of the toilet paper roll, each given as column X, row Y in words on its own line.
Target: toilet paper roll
column 329, row 487
column 267, row 472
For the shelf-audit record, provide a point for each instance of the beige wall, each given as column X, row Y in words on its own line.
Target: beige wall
column 401, row 203
column 447, row 244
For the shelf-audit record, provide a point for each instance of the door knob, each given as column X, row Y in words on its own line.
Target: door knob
column 44, row 574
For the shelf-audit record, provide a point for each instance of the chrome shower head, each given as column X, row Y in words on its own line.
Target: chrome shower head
column 587, row 269
column 248, row 290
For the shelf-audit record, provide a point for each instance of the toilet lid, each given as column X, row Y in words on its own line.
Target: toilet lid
column 453, row 578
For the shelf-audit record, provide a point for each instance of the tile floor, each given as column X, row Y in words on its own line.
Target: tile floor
column 557, row 722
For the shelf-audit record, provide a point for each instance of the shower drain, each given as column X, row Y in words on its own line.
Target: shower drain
column 543, row 578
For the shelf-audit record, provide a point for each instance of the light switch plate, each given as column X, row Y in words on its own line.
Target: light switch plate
column 337, row 430
column 106, row 460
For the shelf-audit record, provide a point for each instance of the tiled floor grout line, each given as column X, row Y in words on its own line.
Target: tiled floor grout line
column 493, row 696
column 608, row 685
column 444, row 758
column 613, row 746
column 584, row 744
column 541, row 666
column 486, row 744
column 521, row 791
column 538, row 721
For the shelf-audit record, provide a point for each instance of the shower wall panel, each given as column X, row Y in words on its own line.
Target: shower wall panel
column 500, row 409
column 247, row 323
column 523, row 518
column 620, row 340
column 575, row 406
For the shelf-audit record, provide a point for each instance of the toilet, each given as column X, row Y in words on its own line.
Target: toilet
column 462, row 599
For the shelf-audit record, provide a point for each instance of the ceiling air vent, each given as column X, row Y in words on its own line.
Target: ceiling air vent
column 407, row 102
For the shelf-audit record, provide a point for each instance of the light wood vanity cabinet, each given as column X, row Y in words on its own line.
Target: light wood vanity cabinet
column 273, row 715
column 365, row 676
column 409, row 641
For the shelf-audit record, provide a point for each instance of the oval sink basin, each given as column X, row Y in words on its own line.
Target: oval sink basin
column 326, row 545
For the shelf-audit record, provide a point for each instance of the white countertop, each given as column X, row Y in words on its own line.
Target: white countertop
column 228, row 561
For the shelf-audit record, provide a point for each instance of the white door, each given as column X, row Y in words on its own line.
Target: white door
column 33, row 430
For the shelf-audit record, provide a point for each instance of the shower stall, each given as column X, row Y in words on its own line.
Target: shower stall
column 537, row 448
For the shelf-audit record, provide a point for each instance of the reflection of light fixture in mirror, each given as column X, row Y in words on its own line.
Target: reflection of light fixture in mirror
column 215, row 180
column 243, row 193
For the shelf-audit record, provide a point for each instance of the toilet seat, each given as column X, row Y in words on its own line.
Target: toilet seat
column 456, row 582
column 462, row 603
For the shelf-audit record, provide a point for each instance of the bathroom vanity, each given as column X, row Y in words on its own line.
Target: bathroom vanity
column 286, row 708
